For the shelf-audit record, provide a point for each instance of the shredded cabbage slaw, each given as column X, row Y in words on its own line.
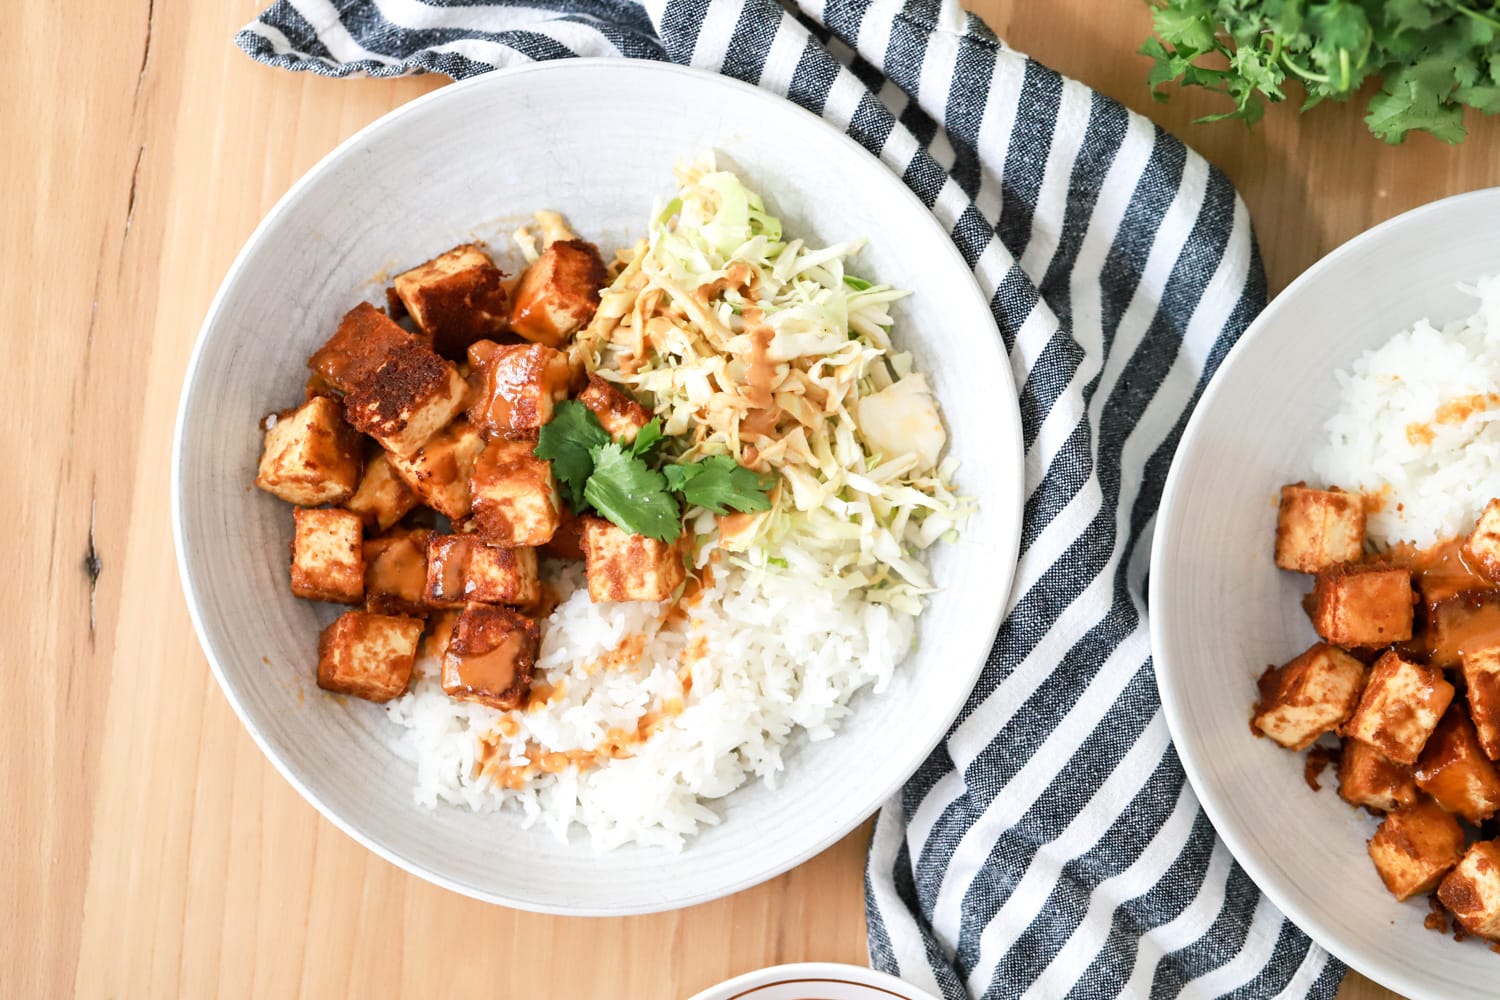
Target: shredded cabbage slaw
column 750, row 344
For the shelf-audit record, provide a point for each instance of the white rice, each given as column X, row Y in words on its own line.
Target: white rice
column 767, row 654
column 1418, row 427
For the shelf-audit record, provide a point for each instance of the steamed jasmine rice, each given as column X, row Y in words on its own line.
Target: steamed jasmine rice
column 1417, row 429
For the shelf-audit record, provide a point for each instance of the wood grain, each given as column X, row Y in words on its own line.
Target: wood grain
column 150, row 849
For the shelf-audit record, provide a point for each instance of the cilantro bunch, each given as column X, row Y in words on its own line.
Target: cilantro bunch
column 618, row 480
column 1432, row 57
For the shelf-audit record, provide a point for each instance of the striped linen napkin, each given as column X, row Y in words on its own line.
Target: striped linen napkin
column 1050, row 845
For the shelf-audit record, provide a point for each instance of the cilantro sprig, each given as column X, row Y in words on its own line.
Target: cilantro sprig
column 617, row 481
column 1434, row 58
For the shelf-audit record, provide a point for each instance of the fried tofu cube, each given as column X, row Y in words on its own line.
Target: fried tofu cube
column 383, row 498
column 1370, row 779
column 456, row 298
column 447, row 570
column 1310, row 696
column 1455, row 772
column 396, row 572
column 360, row 344
column 498, row 575
column 518, row 385
column 411, row 396
column 1401, row 706
column 558, row 294
column 1483, row 545
column 625, row 567
column 1363, row 605
column 328, row 562
column 490, row 656
column 367, row 655
column 1482, row 678
column 1318, row 529
column 620, row 414
column 1471, row 892
column 1465, row 622
column 310, row 456
column 439, row 472
column 1415, row 847
column 515, row 498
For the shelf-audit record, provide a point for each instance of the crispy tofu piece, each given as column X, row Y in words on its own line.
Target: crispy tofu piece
column 1415, row 847
column 1363, row 605
column 1465, row 622
column 498, row 575
column 439, row 473
column 625, row 567
column 411, row 396
column 1370, row 779
column 1318, row 529
column 1401, row 706
column 490, row 656
column 620, row 414
column 1471, row 892
column 1310, row 696
column 364, row 337
column 455, row 298
column 383, row 498
column 1482, row 678
column 367, row 655
column 518, row 385
column 328, row 562
column 396, row 572
column 1483, row 546
column 447, row 570
column 558, row 294
column 515, row 498
column 310, row 456
column 1455, row 771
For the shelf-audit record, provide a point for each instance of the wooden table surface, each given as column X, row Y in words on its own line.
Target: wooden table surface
column 150, row 850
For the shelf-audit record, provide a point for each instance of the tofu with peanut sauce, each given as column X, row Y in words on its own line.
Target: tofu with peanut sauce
column 462, row 570
column 439, row 472
column 625, row 567
column 359, row 346
column 1482, row 682
column 455, row 298
column 383, row 498
column 1483, row 544
column 1415, row 847
column 407, row 399
column 515, row 500
column 1318, row 529
column 368, row 656
column 310, row 456
column 1363, row 605
column 1471, row 891
column 396, row 572
column 490, row 656
column 1312, row 695
column 328, row 561
column 619, row 414
column 1401, row 706
column 1370, row 779
column 558, row 293
column 517, row 385
column 1455, row 771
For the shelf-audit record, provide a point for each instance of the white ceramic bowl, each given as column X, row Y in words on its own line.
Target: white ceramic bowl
column 1221, row 611
column 814, row 981
column 596, row 139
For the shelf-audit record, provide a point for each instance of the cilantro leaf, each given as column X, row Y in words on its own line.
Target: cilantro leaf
column 568, row 441
column 646, row 438
column 627, row 492
column 720, row 484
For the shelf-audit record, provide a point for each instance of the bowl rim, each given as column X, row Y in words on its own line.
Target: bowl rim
column 1010, row 450
column 1390, row 974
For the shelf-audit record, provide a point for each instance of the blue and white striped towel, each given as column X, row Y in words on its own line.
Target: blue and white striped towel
column 1050, row 845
